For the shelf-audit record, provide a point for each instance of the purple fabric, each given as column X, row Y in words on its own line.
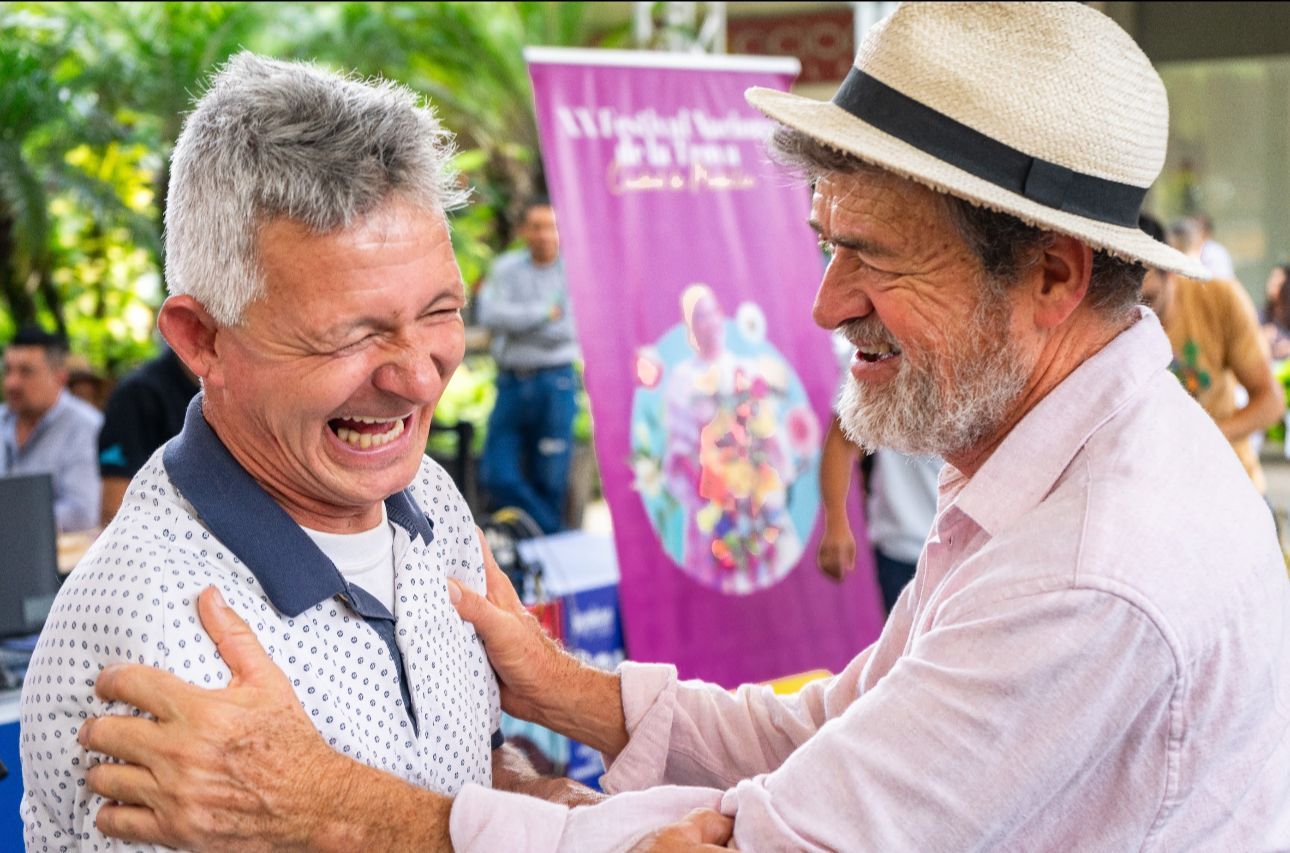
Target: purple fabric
column 722, row 583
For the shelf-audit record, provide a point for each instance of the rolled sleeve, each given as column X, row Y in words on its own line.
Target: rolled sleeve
column 484, row 820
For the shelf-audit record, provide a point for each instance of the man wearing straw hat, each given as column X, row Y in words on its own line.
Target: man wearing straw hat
column 1094, row 653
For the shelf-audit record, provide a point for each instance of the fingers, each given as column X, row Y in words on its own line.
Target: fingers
column 130, row 823
column 145, row 687
column 237, row 644
column 477, row 610
column 123, row 783
column 830, row 562
column 129, row 739
column 712, row 827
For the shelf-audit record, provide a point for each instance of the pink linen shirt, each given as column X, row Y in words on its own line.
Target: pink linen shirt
column 1093, row 655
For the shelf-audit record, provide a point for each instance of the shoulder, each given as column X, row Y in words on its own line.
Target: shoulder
column 1215, row 294
column 77, row 411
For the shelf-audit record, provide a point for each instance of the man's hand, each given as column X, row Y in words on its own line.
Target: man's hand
column 702, row 829
column 240, row 767
column 837, row 553
column 539, row 680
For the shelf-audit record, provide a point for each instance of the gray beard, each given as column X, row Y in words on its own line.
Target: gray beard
column 922, row 413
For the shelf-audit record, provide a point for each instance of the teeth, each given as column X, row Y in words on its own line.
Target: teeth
column 364, row 440
column 878, row 349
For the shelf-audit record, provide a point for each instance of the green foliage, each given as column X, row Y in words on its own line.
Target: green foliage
column 1281, row 370
column 92, row 97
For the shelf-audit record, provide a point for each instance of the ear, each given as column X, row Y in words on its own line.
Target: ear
column 191, row 332
column 1064, row 272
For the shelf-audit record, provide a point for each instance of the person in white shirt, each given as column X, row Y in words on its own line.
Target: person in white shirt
column 314, row 292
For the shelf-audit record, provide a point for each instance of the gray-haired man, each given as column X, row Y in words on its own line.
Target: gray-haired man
column 1093, row 654
column 314, row 291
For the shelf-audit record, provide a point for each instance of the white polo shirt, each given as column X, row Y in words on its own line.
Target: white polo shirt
column 410, row 693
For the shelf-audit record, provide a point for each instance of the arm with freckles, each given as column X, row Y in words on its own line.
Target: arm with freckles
column 652, row 729
column 243, row 768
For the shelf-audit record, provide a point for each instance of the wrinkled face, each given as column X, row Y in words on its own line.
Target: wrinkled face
column 938, row 365
column 539, row 234
column 326, row 390
column 31, row 381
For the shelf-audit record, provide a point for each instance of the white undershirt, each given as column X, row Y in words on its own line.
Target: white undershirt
column 365, row 559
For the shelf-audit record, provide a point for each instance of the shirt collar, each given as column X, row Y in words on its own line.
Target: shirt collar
column 295, row 574
column 1030, row 460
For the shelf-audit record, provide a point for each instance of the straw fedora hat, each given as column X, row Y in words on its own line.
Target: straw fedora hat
column 1046, row 111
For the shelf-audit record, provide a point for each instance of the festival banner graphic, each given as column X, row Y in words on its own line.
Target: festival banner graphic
column 692, row 273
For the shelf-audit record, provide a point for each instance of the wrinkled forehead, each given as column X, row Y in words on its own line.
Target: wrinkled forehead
column 882, row 214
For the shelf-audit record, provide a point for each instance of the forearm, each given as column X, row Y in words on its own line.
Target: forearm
column 365, row 809
column 502, row 312
column 113, row 493
column 837, row 462
column 588, row 708
column 1264, row 409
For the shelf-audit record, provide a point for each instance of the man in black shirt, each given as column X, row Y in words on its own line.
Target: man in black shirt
column 144, row 412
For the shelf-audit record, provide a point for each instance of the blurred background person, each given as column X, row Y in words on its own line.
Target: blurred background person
column 1217, row 346
column 85, row 382
column 46, row 430
column 1276, row 313
column 1213, row 254
column 144, row 411
column 524, row 303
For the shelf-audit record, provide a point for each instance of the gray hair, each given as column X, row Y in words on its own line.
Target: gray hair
column 275, row 139
column 1005, row 246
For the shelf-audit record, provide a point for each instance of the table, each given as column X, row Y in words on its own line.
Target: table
column 11, row 785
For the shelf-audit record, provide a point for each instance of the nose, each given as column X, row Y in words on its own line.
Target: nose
column 410, row 372
column 839, row 299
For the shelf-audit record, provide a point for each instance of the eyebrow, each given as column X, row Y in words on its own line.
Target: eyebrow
column 859, row 244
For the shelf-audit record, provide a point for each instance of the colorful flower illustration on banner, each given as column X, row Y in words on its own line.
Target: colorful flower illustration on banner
column 725, row 447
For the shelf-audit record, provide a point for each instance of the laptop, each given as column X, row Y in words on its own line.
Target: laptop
column 28, row 553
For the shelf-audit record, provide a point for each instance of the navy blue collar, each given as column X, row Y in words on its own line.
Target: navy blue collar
column 295, row 574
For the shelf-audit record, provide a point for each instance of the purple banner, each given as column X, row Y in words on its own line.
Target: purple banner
column 691, row 273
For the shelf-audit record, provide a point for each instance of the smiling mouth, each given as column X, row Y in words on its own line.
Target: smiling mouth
column 365, row 433
column 880, row 352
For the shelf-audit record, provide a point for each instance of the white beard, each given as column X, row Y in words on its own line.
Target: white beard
column 938, row 409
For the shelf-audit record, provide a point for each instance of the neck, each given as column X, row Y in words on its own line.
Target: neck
column 302, row 508
column 1064, row 350
column 26, row 424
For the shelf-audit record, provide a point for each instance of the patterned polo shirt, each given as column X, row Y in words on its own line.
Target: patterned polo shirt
column 409, row 692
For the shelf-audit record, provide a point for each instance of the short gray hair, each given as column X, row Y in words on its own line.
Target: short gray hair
column 1003, row 244
column 274, row 139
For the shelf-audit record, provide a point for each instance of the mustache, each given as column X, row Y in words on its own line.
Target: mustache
column 867, row 332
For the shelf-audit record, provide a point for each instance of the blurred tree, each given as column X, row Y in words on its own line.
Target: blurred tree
column 92, row 97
